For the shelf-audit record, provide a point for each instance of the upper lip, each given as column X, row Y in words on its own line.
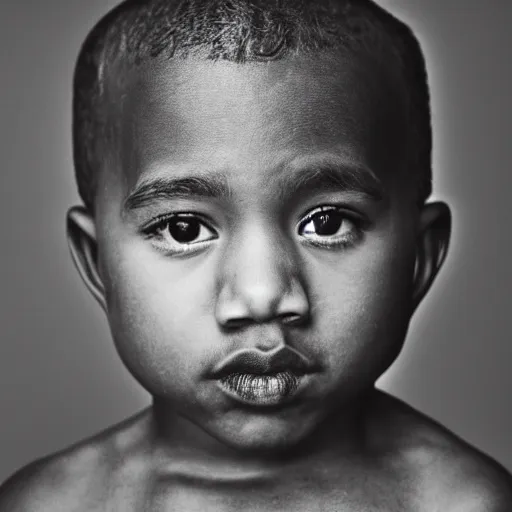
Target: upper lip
column 254, row 361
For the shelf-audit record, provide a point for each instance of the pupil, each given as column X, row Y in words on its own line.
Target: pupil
column 184, row 230
column 327, row 223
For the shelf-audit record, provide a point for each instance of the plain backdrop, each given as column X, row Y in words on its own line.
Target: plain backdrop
column 60, row 378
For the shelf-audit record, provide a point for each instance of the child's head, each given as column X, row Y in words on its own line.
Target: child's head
column 255, row 176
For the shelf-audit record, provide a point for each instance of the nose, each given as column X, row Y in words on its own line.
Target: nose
column 260, row 282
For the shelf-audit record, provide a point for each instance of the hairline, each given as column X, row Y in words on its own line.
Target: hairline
column 116, row 58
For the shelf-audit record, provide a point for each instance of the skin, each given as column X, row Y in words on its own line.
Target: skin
column 258, row 276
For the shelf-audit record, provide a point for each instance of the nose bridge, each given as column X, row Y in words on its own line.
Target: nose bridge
column 259, row 278
column 259, row 265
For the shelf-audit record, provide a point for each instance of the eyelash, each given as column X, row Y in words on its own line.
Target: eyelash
column 155, row 230
column 354, row 235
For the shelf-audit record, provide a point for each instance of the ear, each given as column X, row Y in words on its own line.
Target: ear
column 432, row 247
column 81, row 234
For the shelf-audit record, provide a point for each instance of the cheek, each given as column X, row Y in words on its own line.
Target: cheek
column 158, row 312
column 363, row 304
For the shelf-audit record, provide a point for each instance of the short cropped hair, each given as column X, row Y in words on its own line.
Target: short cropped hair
column 241, row 31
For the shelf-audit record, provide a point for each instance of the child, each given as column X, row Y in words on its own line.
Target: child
column 255, row 176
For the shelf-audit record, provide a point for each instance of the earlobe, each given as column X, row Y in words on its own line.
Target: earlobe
column 432, row 247
column 81, row 235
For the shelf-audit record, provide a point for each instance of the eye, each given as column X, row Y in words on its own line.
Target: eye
column 329, row 226
column 180, row 233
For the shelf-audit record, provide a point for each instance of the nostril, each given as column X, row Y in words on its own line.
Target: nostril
column 293, row 319
column 236, row 323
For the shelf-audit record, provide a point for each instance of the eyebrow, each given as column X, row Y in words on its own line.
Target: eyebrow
column 316, row 177
column 165, row 188
column 328, row 176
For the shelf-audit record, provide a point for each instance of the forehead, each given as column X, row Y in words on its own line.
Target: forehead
column 196, row 115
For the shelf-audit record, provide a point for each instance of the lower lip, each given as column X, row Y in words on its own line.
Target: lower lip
column 264, row 390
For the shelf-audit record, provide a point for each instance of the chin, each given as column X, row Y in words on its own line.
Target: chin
column 263, row 433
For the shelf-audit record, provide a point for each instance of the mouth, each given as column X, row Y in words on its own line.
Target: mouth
column 262, row 389
column 261, row 379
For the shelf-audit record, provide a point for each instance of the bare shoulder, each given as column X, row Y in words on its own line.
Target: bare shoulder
column 73, row 480
column 449, row 474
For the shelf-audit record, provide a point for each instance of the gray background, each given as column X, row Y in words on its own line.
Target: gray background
column 60, row 379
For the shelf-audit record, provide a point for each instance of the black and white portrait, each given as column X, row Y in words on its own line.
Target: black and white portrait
column 255, row 255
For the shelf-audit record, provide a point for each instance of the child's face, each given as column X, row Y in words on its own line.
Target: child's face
column 255, row 207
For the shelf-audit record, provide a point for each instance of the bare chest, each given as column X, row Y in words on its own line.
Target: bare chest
column 304, row 493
